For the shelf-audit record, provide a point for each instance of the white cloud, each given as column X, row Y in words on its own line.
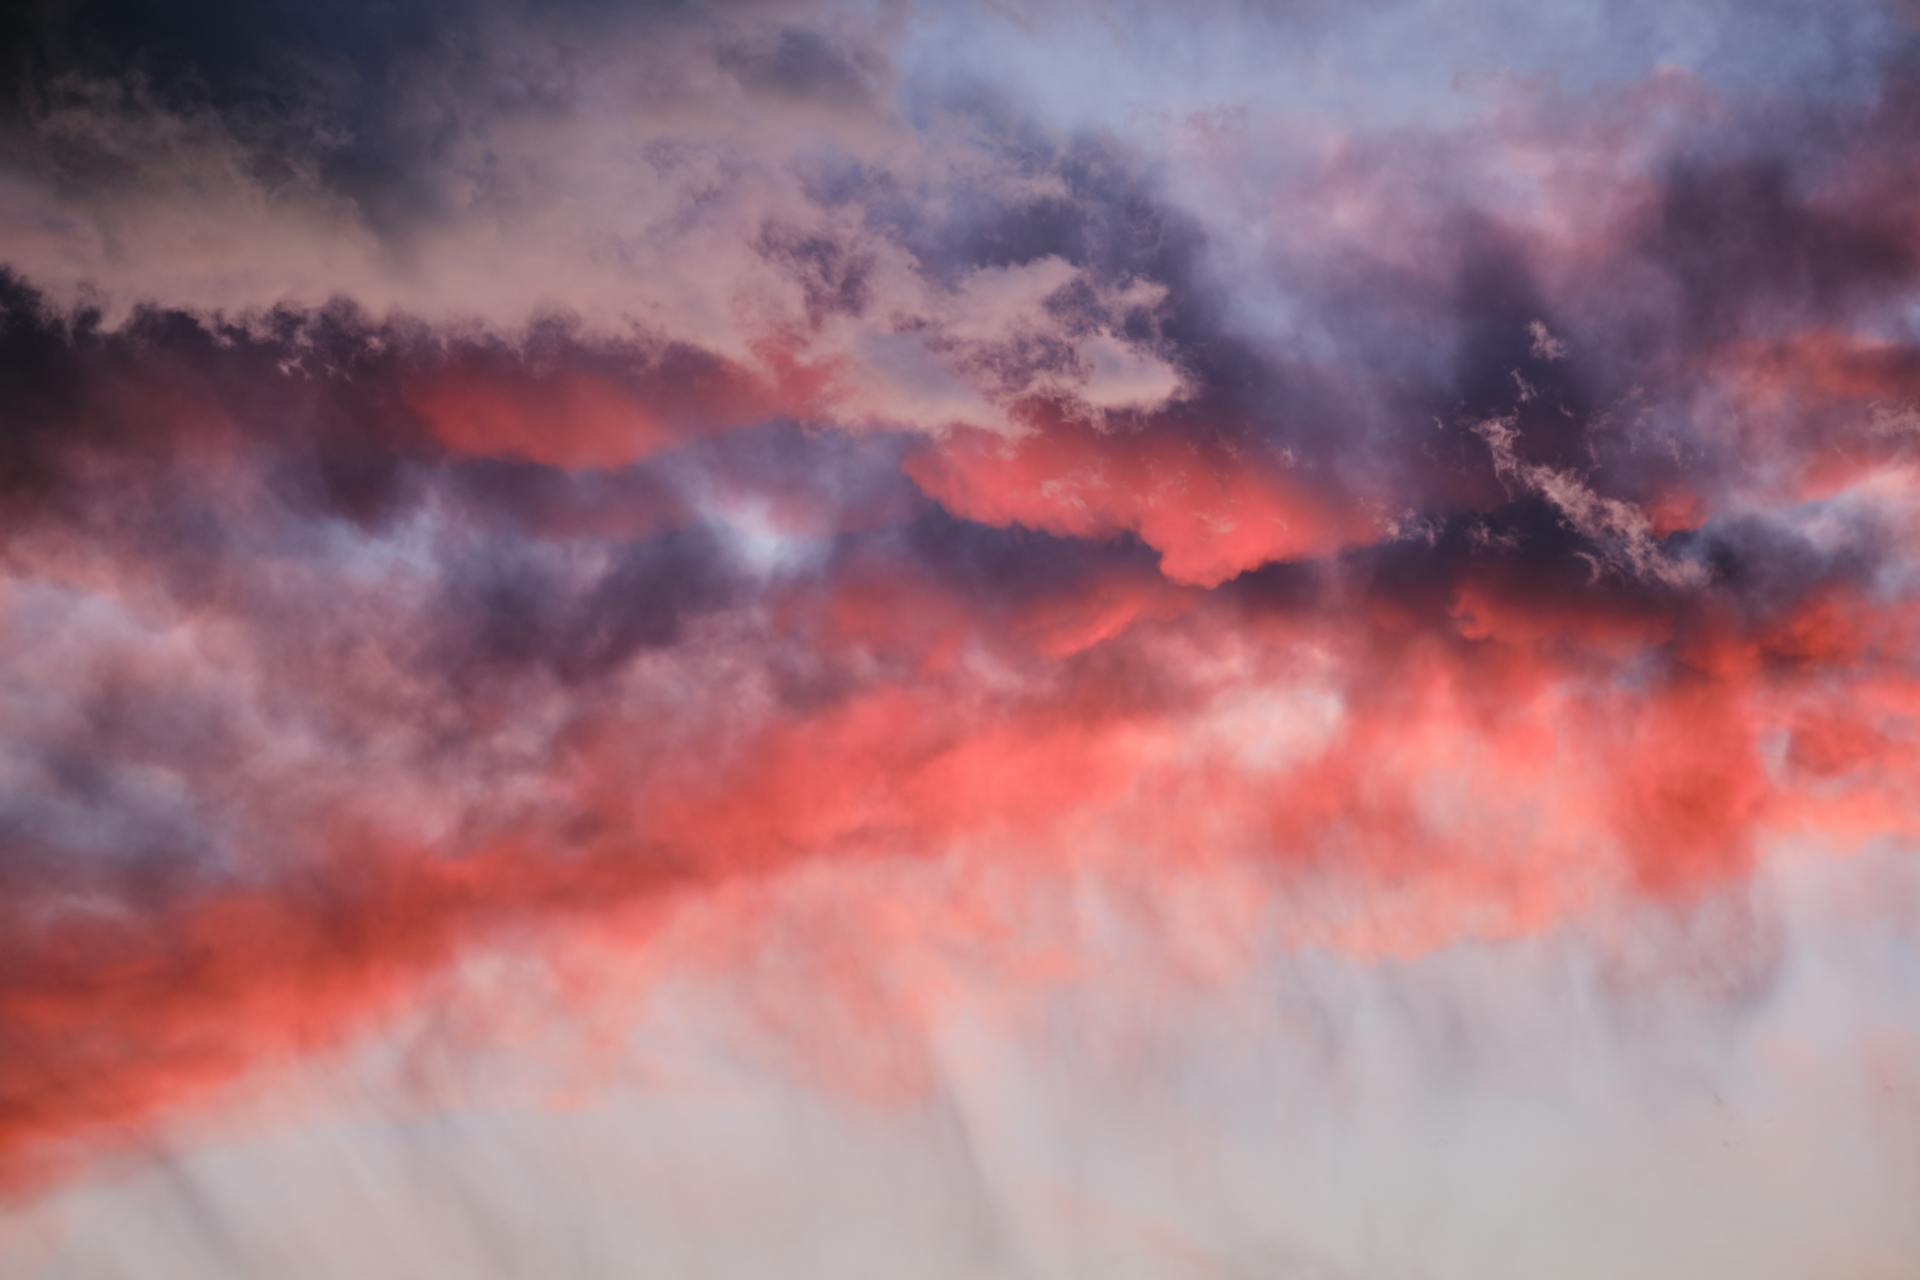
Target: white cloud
column 1623, row 532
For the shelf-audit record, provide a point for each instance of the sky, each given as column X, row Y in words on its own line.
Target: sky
column 967, row 640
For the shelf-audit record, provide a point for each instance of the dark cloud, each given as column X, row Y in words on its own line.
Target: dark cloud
column 834, row 276
column 802, row 65
column 1749, row 251
column 507, row 611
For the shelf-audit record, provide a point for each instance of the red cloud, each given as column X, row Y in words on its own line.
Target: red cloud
column 625, row 407
column 1210, row 511
column 1484, row 780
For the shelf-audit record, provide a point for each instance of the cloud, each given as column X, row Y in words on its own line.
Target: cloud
column 1623, row 533
column 513, row 475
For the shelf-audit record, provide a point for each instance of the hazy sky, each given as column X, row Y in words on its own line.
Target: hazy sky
column 1005, row 640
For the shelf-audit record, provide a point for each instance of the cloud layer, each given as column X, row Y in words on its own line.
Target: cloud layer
column 483, row 473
